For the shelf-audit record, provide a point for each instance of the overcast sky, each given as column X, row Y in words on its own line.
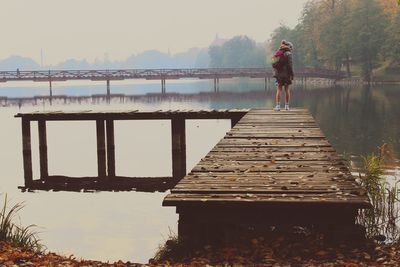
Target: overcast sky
column 90, row 28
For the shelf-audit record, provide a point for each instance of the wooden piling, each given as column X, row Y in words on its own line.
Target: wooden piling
column 44, row 171
column 110, row 148
column 101, row 149
column 178, row 131
column 27, row 151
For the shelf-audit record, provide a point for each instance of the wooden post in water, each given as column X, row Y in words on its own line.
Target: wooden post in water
column 44, row 168
column 27, row 151
column 101, row 149
column 178, row 131
column 110, row 148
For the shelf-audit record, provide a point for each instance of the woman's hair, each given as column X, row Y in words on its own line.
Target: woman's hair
column 288, row 44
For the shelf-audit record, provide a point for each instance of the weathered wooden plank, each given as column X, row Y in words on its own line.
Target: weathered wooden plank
column 261, row 190
column 133, row 115
column 276, row 156
column 332, row 198
column 271, row 149
column 256, row 135
column 273, row 168
column 269, row 163
column 274, row 142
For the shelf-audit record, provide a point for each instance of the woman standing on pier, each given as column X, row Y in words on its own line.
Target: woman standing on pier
column 282, row 64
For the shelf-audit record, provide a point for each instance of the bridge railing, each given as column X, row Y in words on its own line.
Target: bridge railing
column 110, row 74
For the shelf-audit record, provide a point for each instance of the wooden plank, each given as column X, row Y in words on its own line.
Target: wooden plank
column 274, row 168
column 332, row 198
column 134, row 115
column 268, row 163
column 271, row 149
column 292, row 142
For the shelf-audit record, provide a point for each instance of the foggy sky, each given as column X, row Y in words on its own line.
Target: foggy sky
column 119, row 28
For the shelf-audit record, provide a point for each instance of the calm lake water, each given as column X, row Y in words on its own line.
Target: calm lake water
column 131, row 225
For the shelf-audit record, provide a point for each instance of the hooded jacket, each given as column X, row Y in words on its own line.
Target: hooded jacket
column 287, row 69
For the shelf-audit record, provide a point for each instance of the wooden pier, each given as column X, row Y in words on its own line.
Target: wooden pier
column 272, row 168
column 107, row 179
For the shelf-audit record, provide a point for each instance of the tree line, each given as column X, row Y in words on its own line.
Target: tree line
column 360, row 37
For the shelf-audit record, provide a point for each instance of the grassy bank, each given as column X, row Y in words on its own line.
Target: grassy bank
column 20, row 236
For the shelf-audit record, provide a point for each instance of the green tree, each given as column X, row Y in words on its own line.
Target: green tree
column 333, row 42
column 393, row 47
column 366, row 34
column 238, row 52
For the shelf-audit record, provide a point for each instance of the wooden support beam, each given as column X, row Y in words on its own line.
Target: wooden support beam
column 178, row 130
column 101, row 149
column 44, row 169
column 110, row 148
column 27, row 151
column 234, row 121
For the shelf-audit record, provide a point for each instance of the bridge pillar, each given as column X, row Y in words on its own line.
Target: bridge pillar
column 163, row 86
column 216, row 85
column 108, row 91
column 50, row 91
column 267, row 84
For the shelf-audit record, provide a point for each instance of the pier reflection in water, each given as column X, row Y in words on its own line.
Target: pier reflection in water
column 128, row 225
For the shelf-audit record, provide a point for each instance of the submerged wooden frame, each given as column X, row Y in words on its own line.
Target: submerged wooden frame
column 106, row 178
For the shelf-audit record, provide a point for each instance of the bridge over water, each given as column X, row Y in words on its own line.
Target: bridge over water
column 160, row 74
